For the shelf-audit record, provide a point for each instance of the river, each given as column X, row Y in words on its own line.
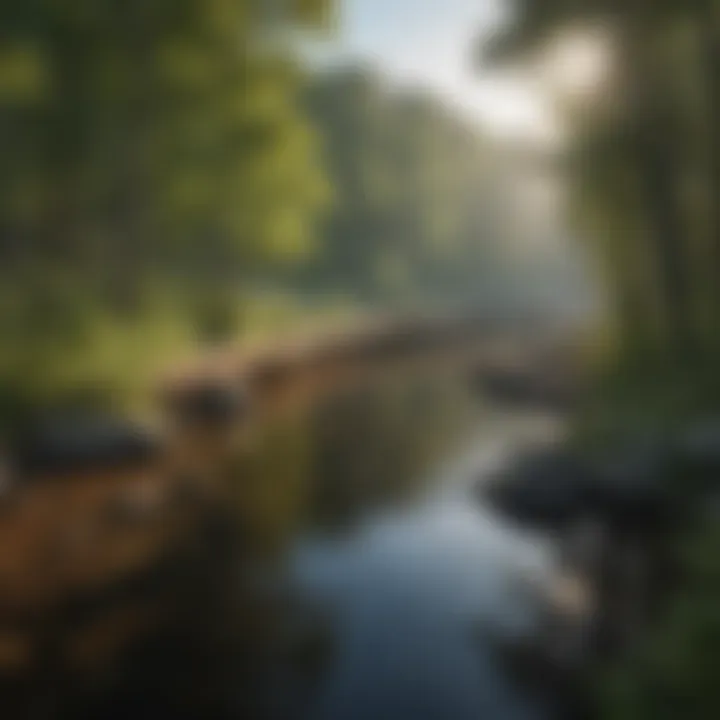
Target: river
column 408, row 578
column 347, row 572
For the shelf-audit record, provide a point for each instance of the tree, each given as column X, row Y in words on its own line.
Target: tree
column 146, row 144
column 651, row 137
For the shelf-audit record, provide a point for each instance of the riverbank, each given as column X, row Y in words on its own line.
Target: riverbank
column 87, row 533
column 321, row 431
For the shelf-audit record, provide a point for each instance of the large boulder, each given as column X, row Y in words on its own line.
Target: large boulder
column 697, row 455
column 624, row 488
column 63, row 443
column 544, row 487
column 631, row 486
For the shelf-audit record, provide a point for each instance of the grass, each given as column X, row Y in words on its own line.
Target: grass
column 119, row 359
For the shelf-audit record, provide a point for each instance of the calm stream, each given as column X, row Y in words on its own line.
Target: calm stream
column 348, row 572
column 407, row 575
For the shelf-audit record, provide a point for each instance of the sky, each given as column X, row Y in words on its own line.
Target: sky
column 431, row 43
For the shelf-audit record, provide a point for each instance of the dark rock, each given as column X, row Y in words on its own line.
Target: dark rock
column 405, row 337
column 209, row 403
column 545, row 487
column 270, row 374
column 64, row 443
column 631, row 489
column 524, row 389
column 624, row 489
column 697, row 456
column 701, row 440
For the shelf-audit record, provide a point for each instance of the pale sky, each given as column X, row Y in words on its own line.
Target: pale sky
column 430, row 42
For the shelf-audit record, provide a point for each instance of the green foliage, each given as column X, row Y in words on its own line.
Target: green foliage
column 647, row 186
column 143, row 143
column 675, row 673
column 174, row 148
column 134, row 127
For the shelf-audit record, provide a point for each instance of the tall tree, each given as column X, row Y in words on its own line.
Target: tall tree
column 146, row 143
column 650, row 132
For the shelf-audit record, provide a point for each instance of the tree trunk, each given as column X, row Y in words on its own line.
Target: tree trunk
column 656, row 154
column 708, row 24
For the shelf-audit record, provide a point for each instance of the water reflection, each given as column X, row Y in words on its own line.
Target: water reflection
column 365, row 448
column 327, row 570
column 417, row 599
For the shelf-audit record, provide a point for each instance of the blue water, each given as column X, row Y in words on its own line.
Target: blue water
column 413, row 598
